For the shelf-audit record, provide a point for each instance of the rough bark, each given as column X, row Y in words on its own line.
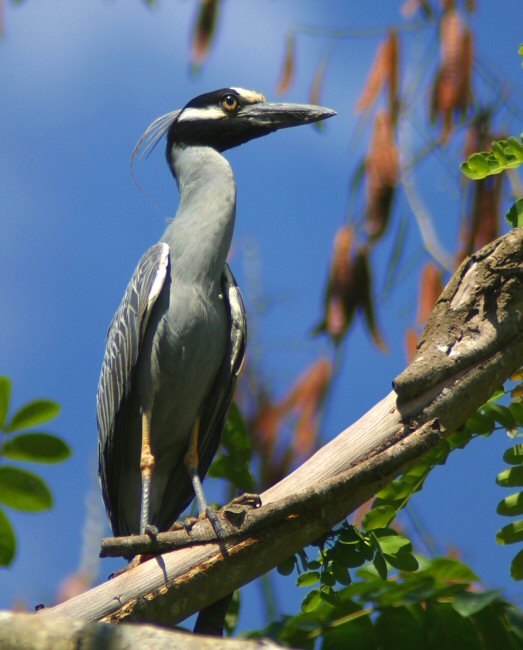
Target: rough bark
column 472, row 342
column 27, row 632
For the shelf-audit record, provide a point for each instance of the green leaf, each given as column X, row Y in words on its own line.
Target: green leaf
column 327, row 578
column 350, row 555
column 511, row 533
column 308, row 579
column 286, row 567
column 460, row 439
column 481, row 423
column 399, row 629
column 496, row 395
column 233, row 470
column 501, row 414
column 516, row 566
column 445, row 628
column 33, row 413
column 511, row 506
column 391, row 542
column 398, row 490
column 7, row 540
column 233, row 613
column 341, row 574
column 5, row 397
column 468, row 603
column 514, row 216
column 350, row 535
column 478, row 165
column 514, row 145
column 515, row 619
column 514, row 455
column 37, row 448
column 355, row 634
column 505, row 154
column 24, row 490
column 235, row 436
column 329, row 596
column 447, row 569
column 380, row 565
column 311, row 601
column 511, row 477
column 378, row 517
column 516, row 408
column 403, row 561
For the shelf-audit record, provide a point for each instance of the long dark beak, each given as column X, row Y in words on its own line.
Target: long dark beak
column 281, row 116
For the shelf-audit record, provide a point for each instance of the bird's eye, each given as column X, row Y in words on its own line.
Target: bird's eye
column 230, row 103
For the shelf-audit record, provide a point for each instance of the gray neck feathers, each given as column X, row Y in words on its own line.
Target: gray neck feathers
column 199, row 237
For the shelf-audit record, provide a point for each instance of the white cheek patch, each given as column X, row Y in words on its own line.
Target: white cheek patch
column 206, row 113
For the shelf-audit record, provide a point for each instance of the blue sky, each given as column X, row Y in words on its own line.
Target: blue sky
column 81, row 81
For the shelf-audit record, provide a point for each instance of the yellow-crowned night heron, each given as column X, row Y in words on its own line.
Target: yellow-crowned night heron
column 176, row 344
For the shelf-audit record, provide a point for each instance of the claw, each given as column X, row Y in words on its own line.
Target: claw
column 151, row 530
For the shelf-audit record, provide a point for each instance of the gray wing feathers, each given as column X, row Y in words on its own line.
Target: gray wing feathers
column 125, row 335
column 238, row 321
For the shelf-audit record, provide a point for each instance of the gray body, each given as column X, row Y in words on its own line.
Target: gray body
column 183, row 369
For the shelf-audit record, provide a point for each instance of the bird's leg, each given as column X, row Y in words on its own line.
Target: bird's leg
column 191, row 464
column 147, row 463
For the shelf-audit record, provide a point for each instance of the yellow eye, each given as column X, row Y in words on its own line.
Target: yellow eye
column 230, row 103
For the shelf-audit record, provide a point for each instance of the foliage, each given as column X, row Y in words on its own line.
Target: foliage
column 514, row 216
column 505, row 154
column 234, row 461
column 438, row 605
column 512, row 505
column 21, row 489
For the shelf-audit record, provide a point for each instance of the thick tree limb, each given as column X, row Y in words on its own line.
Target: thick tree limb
column 472, row 343
column 27, row 632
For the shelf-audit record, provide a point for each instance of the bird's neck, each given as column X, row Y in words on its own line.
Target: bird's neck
column 199, row 237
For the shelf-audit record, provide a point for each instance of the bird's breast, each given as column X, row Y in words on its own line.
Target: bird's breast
column 189, row 344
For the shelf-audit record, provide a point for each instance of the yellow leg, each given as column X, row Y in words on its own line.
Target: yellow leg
column 191, row 464
column 147, row 463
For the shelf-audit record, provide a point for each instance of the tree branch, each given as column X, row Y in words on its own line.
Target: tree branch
column 472, row 342
column 27, row 632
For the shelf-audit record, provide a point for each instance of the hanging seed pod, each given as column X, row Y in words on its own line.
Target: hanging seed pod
column 287, row 73
column 375, row 80
column 316, row 88
column 363, row 295
column 451, row 90
column 305, row 400
column 382, row 169
column 393, row 75
column 204, row 31
column 339, row 303
column 384, row 71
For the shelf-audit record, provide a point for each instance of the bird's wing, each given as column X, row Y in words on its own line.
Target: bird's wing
column 124, row 338
column 179, row 492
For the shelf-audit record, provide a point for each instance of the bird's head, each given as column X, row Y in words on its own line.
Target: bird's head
column 226, row 118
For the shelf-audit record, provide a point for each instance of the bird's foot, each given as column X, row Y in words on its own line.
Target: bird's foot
column 151, row 531
column 186, row 524
column 214, row 518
